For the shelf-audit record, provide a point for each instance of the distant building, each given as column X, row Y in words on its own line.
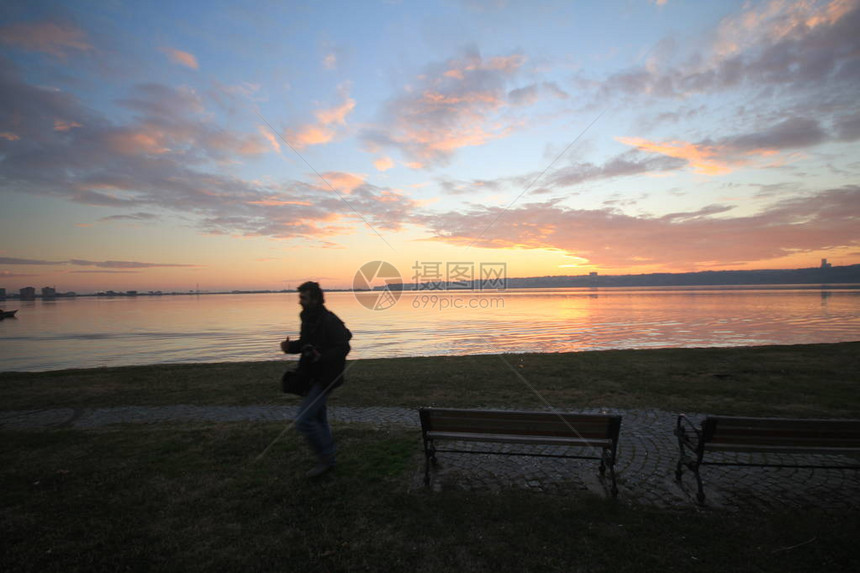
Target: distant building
column 825, row 264
column 49, row 292
column 28, row 293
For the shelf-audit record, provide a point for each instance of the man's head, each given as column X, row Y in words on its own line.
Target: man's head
column 310, row 295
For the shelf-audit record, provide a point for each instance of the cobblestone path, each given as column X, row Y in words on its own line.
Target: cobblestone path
column 645, row 468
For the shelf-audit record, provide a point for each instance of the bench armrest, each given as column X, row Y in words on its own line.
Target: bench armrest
column 685, row 429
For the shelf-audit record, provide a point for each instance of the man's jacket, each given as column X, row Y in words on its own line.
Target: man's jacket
column 324, row 333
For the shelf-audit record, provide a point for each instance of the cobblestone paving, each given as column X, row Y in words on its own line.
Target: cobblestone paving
column 645, row 467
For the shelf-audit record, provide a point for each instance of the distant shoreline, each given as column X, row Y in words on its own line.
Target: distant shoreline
column 825, row 277
column 498, row 292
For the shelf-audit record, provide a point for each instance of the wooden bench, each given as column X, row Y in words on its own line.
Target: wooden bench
column 763, row 436
column 595, row 432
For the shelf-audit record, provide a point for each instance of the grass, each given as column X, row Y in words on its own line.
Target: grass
column 805, row 380
column 190, row 497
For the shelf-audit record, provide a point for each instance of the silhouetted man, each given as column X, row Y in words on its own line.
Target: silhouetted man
column 323, row 344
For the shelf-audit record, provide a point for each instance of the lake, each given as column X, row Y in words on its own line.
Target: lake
column 88, row 332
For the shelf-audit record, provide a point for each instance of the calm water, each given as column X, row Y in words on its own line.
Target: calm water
column 91, row 332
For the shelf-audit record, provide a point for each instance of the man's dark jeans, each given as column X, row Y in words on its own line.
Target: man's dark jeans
column 313, row 423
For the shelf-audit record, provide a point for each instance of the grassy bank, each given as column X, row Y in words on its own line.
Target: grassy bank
column 191, row 498
column 807, row 380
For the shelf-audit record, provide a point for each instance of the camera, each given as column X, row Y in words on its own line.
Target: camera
column 310, row 353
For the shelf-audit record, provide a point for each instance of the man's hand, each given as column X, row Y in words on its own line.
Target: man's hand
column 285, row 345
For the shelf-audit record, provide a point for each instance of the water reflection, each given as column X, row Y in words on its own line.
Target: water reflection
column 88, row 332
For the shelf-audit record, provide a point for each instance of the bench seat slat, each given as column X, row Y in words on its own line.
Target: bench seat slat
column 577, row 431
column 786, row 425
column 721, row 430
column 521, row 423
column 518, row 439
column 777, row 433
column 545, row 419
column 524, row 414
column 777, row 449
column 771, row 440
column 727, row 421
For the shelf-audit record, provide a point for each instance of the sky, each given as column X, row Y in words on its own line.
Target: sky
column 255, row 145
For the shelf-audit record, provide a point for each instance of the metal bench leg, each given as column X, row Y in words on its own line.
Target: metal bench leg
column 612, row 476
column 607, row 459
column 682, row 455
column 429, row 456
column 700, row 496
column 694, row 467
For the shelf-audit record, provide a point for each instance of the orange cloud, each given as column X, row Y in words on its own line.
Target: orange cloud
column 60, row 125
column 182, row 58
column 270, row 137
column 390, row 196
column 323, row 131
column 436, row 99
column 383, row 163
column 776, row 20
column 345, row 182
column 96, row 186
column 435, row 142
column 235, row 143
column 459, row 105
column 9, row 136
column 475, row 62
column 707, row 238
column 703, row 159
column 250, row 146
column 721, row 159
column 278, row 203
column 336, row 114
column 310, row 135
column 47, row 37
column 138, row 143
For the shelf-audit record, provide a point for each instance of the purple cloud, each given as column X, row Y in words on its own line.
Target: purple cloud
column 455, row 104
column 166, row 158
column 609, row 238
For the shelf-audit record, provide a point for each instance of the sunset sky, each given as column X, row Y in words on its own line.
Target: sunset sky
column 255, row 145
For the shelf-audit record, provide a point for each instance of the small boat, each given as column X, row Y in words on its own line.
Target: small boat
column 7, row 314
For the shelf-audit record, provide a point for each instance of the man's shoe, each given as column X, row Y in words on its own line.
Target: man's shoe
column 318, row 470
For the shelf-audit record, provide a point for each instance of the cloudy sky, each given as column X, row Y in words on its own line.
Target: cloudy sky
column 254, row 145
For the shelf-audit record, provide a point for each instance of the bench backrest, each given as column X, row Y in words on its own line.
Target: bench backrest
column 506, row 422
column 781, row 432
